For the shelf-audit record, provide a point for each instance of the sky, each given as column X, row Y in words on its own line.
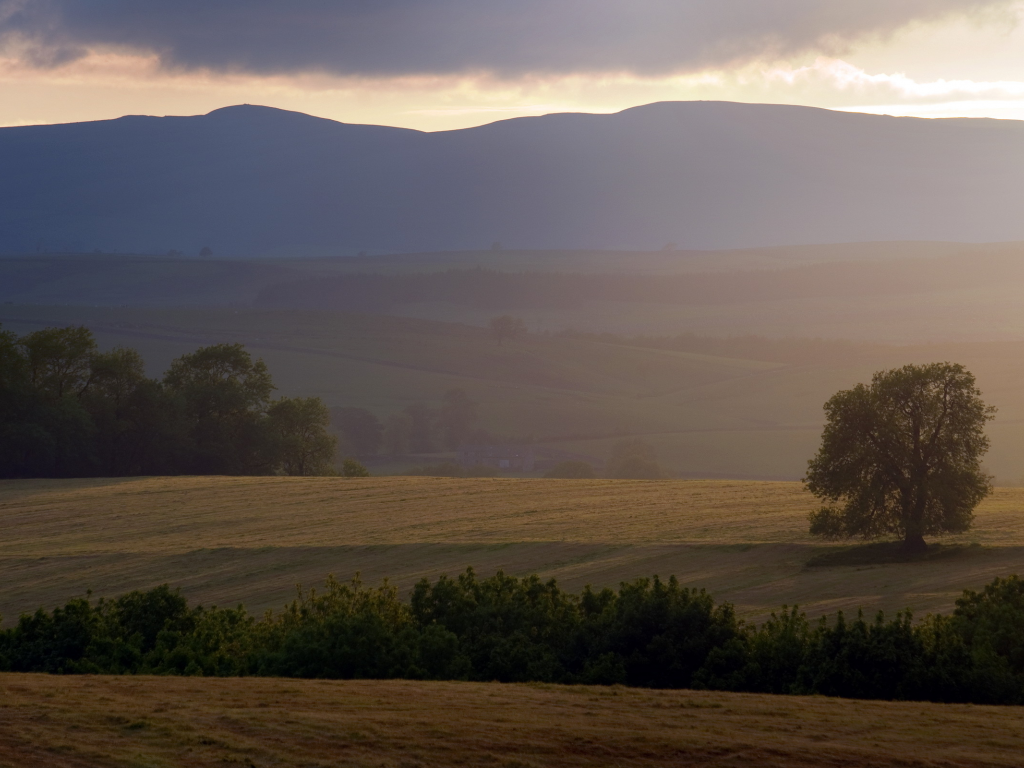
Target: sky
column 445, row 64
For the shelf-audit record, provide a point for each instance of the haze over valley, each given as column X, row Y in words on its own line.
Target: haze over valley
column 721, row 360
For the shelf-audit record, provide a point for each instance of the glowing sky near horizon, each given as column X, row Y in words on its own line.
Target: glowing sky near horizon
column 442, row 64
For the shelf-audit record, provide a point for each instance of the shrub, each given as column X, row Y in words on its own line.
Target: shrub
column 649, row 633
column 352, row 468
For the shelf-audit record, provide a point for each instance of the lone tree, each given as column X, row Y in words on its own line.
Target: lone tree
column 902, row 456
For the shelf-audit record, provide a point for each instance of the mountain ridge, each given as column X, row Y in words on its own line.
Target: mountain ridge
column 251, row 180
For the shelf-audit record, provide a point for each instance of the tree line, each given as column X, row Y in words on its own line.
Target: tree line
column 68, row 409
column 648, row 633
column 418, row 428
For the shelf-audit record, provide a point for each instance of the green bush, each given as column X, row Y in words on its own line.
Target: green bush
column 649, row 632
column 352, row 468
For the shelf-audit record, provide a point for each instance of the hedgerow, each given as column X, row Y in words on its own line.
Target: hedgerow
column 649, row 633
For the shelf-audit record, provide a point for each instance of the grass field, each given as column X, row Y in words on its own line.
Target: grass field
column 251, row 540
column 73, row 722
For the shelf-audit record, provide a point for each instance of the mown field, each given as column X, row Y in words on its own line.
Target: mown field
column 707, row 415
column 66, row 722
column 226, row 541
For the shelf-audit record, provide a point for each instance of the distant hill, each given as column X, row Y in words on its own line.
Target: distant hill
column 256, row 181
column 978, row 269
column 880, row 292
column 711, row 407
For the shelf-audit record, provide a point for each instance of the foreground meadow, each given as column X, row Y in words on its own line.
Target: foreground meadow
column 251, row 540
column 65, row 722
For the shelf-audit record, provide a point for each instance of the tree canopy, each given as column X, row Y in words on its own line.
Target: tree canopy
column 299, row 428
column 226, row 396
column 69, row 410
column 902, row 456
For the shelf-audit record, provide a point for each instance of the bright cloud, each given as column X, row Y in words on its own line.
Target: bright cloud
column 845, row 77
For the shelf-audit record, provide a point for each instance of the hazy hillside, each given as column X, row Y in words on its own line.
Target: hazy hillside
column 723, row 370
column 879, row 292
column 146, row 280
column 253, row 181
column 493, row 289
column 711, row 408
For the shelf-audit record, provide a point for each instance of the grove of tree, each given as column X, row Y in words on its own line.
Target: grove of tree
column 68, row 409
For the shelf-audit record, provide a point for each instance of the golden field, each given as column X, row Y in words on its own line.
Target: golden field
column 251, row 540
column 67, row 517
column 68, row 722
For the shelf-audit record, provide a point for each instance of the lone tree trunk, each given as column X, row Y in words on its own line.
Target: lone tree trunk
column 913, row 539
column 913, row 543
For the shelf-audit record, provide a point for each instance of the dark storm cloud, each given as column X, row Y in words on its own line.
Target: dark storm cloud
column 507, row 37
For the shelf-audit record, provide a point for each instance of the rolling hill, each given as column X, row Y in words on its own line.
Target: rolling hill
column 250, row 180
column 717, row 410
column 230, row 540
column 879, row 292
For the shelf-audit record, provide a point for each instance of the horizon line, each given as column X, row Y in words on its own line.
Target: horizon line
column 600, row 113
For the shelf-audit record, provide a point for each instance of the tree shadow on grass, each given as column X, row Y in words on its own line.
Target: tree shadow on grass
column 888, row 552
